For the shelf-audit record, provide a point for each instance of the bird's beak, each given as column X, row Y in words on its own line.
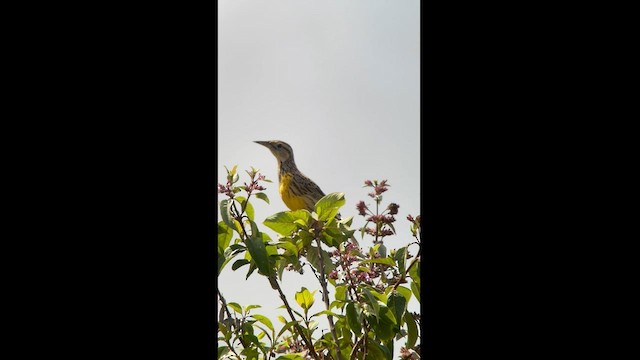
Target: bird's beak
column 263, row 143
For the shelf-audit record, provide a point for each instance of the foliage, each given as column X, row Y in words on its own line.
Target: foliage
column 371, row 287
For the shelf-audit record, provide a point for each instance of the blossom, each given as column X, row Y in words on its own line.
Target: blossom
column 333, row 275
column 393, row 208
column 386, row 232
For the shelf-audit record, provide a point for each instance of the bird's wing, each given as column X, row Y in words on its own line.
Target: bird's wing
column 312, row 192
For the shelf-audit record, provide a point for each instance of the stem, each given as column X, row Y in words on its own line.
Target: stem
column 354, row 351
column 297, row 326
column 377, row 225
column 325, row 297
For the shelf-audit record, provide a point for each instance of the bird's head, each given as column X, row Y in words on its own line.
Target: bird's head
column 280, row 149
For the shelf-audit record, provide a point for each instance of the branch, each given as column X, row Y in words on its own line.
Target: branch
column 224, row 303
column 325, row 297
column 297, row 326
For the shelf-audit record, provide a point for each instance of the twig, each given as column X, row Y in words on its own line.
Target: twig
column 354, row 351
column 224, row 303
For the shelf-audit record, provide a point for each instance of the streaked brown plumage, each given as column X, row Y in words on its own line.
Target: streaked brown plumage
column 297, row 190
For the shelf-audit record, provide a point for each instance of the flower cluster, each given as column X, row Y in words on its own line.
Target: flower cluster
column 348, row 265
column 226, row 189
column 253, row 185
column 229, row 190
column 378, row 188
column 383, row 221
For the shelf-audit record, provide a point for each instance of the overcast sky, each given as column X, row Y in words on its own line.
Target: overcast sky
column 337, row 80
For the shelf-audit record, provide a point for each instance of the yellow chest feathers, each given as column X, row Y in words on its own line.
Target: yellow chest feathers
column 292, row 201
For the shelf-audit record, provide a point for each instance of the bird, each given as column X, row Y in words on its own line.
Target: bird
column 297, row 190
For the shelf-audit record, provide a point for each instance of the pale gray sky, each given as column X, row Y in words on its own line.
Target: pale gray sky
column 337, row 80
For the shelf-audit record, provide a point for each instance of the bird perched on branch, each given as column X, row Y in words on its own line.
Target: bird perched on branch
column 297, row 191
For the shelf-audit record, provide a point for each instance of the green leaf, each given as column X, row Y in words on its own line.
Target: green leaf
column 303, row 215
column 263, row 319
column 412, row 330
column 383, row 251
column 374, row 351
column 262, row 196
column 404, row 292
column 225, row 212
column 353, row 318
column 414, row 272
column 286, row 327
column 336, row 303
column 371, row 300
column 325, row 312
column 334, row 237
column 249, row 210
column 239, row 263
column 222, row 261
column 384, row 331
column 222, row 351
column 249, row 352
column 258, row 251
column 386, row 316
column 225, row 233
column 252, row 268
column 236, row 307
column 314, row 259
column 290, row 357
column 387, row 349
column 347, row 221
column 305, row 299
column 282, row 319
column 362, row 230
column 416, row 290
column 384, row 261
column 282, row 223
column 245, row 206
column 328, row 206
column 401, row 258
column 238, row 227
column 233, row 170
column 249, row 307
column 223, row 329
column 398, row 305
column 379, row 296
column 288, row 246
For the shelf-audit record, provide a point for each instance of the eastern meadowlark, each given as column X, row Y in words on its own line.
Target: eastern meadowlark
column 297, row 191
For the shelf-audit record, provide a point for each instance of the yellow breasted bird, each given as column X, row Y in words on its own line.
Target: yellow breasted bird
column 297, row 191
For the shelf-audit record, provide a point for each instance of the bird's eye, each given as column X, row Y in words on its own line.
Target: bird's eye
column 279, row 146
